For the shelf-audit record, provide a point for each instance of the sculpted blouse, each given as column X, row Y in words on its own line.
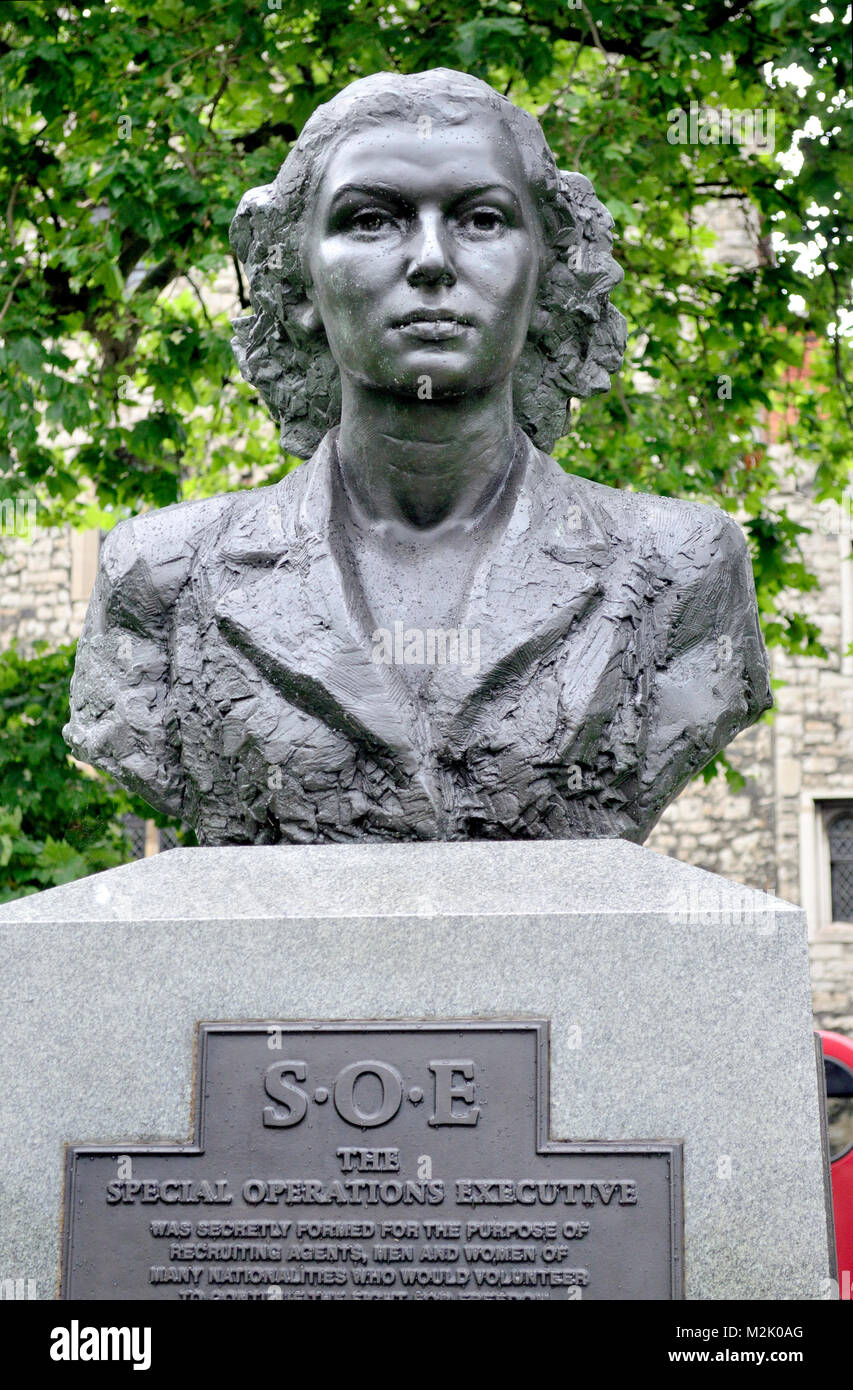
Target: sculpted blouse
column 226, row 672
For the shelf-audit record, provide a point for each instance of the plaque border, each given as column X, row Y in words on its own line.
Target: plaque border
column 672, row 1149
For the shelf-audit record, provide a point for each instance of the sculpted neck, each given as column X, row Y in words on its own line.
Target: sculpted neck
column 424, row 464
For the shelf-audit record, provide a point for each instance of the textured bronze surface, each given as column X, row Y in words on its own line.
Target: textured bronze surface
column 390, row 1161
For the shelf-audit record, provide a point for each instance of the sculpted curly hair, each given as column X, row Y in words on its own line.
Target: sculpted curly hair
column 576, row 338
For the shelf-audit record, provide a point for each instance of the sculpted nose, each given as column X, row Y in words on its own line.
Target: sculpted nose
column 431, row 263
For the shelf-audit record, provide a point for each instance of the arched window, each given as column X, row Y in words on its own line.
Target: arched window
column 840, row 835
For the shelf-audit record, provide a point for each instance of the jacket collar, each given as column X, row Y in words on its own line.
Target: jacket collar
column 296, row 609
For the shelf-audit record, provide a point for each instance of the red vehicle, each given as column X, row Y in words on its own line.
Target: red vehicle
column 838, row 1064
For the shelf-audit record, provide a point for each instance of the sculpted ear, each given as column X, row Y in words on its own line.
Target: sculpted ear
column 307, row 315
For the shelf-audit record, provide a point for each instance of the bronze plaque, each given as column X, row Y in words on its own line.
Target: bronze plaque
column 373, row 1161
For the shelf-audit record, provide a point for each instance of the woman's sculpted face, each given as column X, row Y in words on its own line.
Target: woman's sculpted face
column 422, row 257
column 430, row 193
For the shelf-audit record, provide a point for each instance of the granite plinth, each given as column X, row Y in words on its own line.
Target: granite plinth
column 678, row 1002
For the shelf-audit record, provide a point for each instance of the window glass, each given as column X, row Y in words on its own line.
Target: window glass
column 840, row 832
column 839, row 1107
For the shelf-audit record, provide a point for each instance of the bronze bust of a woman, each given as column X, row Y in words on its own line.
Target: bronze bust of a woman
column 429, row 630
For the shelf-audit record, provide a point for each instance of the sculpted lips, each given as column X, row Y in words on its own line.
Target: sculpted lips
column 434, row 325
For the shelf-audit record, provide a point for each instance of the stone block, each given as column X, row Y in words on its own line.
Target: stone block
column 678, row 1006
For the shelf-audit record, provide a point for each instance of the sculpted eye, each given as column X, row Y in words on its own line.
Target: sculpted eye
column 484, row 220
column 371, row 220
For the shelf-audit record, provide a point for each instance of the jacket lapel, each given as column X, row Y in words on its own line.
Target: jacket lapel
column 537, row 586
column 291, row 612
column 294, row 609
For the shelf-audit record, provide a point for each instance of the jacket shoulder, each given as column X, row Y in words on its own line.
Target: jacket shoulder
column 155, row 549
column 695, row 531
column 146, row 560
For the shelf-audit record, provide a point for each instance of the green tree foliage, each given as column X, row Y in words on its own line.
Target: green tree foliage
column 54, row 826
column 131, row 128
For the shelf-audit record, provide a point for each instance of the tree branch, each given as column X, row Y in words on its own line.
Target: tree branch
column 245, row 302
column 255, row 139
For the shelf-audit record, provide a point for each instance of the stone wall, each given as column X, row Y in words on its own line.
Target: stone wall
column 728, row 832
column 37, row 595
column 832, row 984
column 770, row 834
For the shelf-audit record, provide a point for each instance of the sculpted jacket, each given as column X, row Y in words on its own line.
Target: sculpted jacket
column 228, row 670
